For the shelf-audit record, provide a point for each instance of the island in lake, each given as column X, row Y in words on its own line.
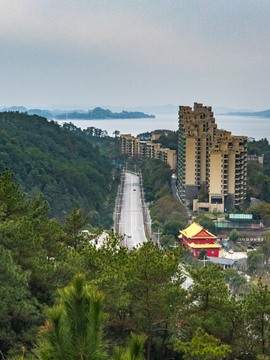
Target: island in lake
column 96, row 114
column 99, row 113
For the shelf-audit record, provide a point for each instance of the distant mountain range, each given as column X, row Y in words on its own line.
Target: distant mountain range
column 97, row 113
column 170, row 109
column 117, row 112
column 265, row 113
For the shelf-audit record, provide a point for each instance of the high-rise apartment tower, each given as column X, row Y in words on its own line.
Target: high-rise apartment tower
column 209, row 159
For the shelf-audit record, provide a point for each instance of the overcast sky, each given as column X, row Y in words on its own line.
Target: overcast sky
column 135, row 53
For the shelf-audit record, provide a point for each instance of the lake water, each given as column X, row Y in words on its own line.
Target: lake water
column 256, row 127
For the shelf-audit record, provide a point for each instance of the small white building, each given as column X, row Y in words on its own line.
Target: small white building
column 98, row 240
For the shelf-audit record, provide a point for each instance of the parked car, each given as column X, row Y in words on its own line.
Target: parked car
column 230, row 251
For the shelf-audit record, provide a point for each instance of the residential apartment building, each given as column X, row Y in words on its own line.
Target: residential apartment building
column 196, row 132
column 129, row 145
column 228, row 170
column 135, row 147
column 210, row 158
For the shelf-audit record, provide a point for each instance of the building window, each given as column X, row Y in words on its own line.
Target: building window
column 213, row 251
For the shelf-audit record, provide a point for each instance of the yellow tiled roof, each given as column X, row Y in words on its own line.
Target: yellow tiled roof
column 204, row 246
column 193, row 230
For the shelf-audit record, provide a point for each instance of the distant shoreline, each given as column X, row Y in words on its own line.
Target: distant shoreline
column 261, row 114
column 95, row 114
column 145, row 116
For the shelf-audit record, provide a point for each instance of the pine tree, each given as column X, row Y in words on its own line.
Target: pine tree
column 73, row 226
column 257, row 311
column 202, row 347
column 75, row 328
column 10, row 197
column 134, row 350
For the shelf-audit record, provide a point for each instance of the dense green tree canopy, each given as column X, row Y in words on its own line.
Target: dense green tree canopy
column 169, row 141
column 150, row 311
column 49, row 160
column 234, row 235
column 206, row 223
column 259, row 174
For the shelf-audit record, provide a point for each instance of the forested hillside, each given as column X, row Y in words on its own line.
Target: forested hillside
column 259, row 174
column 64, row 167
column 122, row 293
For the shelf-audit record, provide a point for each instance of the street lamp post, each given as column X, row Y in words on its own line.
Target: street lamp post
column 149, row 222
column 204, row 260
column 158, row 233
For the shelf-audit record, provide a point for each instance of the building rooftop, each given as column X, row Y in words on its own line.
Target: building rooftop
column 222, row 261
column 195, row 229
column 222, row 236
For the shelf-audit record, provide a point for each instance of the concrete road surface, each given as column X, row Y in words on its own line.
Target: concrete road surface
column 131, row 221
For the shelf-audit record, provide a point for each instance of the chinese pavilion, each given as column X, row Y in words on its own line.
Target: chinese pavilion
column 196, row 238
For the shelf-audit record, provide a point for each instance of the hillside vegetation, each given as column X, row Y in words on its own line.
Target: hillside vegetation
column 258, row 184
column 259, row 174
column 65, row 168
column 99, row 113
column 122, row 293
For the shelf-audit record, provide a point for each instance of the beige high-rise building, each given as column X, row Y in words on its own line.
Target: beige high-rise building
column 209, row 159
column 196, row 132
column 129, row 144
column 228, row 170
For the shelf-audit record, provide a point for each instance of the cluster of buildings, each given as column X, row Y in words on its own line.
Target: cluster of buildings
column 136, row 147
column 211, row 162
column 211, row 167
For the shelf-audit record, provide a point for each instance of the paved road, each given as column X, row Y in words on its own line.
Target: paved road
column 176, row 196
column 131, row 221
